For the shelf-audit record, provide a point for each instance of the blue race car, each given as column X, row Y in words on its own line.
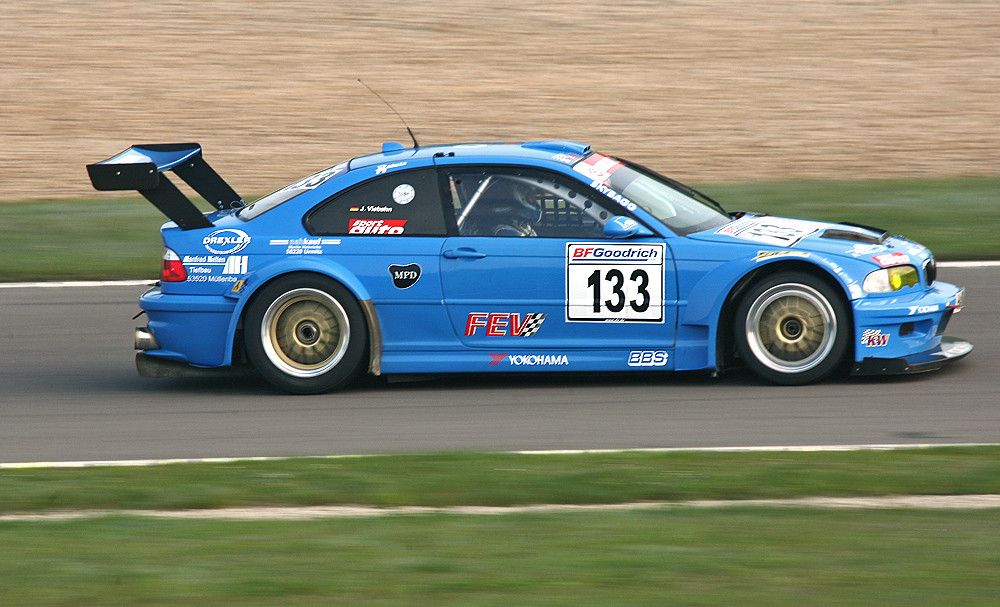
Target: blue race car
column 540, row 256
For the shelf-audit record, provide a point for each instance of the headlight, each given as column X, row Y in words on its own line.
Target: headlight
column 891, row 279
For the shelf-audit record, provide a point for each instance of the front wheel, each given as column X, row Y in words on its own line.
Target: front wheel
column 792, row 329
column 305, row 334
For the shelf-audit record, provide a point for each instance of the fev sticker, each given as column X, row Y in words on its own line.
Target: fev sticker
column 403, row 193
column 226, row 241
column 406, row 276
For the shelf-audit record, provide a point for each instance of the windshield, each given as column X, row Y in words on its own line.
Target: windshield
column 682, row 209
column 265, row 204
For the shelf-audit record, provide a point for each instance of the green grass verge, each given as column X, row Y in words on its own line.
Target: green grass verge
column 119, row 238
column 746, row 555
column 676, row 556
column 502, row 479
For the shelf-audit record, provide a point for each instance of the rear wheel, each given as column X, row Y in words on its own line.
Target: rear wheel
column 792, row 328
column 306, row 334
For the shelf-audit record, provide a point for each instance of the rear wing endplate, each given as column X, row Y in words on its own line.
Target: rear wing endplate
column 140, row 168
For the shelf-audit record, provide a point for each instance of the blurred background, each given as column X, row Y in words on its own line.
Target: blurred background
column 717, row 91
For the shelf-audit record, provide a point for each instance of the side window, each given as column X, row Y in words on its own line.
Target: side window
column 512, row 202
column 403, row 203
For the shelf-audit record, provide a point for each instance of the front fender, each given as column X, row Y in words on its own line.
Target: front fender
column 709, row 294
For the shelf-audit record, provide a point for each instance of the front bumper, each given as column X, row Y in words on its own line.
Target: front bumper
column 949, row 349
column 905, row 333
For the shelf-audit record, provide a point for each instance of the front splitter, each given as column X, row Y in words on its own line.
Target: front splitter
column 950, row 349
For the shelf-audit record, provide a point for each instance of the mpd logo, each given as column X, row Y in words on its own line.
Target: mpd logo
column 376, row 226
column 223, row 242
column 647, row 358
column 404, row 277
column 503, row 324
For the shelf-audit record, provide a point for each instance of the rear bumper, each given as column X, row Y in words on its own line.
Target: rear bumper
column 186, row 328
column 949, row 349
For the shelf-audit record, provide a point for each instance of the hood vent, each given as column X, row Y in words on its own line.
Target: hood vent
column 872, row 236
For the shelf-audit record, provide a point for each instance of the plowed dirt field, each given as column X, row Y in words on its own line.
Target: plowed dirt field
column 723, row 90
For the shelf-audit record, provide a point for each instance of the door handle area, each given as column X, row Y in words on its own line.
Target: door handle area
column 463, row 253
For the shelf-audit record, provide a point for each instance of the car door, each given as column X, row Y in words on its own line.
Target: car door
column 531, row 269
column 391, row 228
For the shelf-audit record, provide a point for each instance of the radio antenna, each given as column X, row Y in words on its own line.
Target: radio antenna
column 389, row 105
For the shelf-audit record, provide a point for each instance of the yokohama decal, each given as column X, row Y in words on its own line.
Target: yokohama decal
column 528, row 360
column 376, row 226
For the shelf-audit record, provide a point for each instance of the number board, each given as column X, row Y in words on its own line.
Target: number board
column 614, row 282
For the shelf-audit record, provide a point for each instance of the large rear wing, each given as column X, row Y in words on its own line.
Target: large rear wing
column 140, row 168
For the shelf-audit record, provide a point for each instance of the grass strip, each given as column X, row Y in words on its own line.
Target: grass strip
column 742, row 556
column 119, row 238
column 505, row 479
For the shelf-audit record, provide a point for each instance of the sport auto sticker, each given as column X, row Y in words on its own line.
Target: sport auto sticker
column 376, row 226
column 777, row 231
column 614, row 282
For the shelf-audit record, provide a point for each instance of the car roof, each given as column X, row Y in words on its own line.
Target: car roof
column 566, row 151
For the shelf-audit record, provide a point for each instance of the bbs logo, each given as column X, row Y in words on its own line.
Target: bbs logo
column 647, row 358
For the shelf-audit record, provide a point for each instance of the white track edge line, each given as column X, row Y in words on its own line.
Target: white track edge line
column 921, row 502
column 136, row 283
column 229, row 460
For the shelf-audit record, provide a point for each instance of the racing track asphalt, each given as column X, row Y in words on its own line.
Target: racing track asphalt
column 69, row 392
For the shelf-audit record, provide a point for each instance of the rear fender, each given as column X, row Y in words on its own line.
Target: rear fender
column 257, row 279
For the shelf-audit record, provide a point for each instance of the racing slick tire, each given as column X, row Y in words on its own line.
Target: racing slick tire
column 306, row 334
column 792, row 328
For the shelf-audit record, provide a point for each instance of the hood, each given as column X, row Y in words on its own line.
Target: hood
column 859, row 242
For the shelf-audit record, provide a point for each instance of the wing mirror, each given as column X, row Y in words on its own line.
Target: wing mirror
column 620, row 226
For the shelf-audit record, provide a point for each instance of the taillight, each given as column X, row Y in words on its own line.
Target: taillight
column 173, row 269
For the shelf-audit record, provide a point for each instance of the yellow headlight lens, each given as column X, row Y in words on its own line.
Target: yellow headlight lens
column 891, row 279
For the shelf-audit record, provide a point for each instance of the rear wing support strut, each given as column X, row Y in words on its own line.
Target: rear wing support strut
column 140, row 168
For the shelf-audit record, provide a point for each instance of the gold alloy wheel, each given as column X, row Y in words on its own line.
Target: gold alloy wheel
column 791, row 328
column 305, row 332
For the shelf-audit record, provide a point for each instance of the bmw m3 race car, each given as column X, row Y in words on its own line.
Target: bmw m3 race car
column 540, row 256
